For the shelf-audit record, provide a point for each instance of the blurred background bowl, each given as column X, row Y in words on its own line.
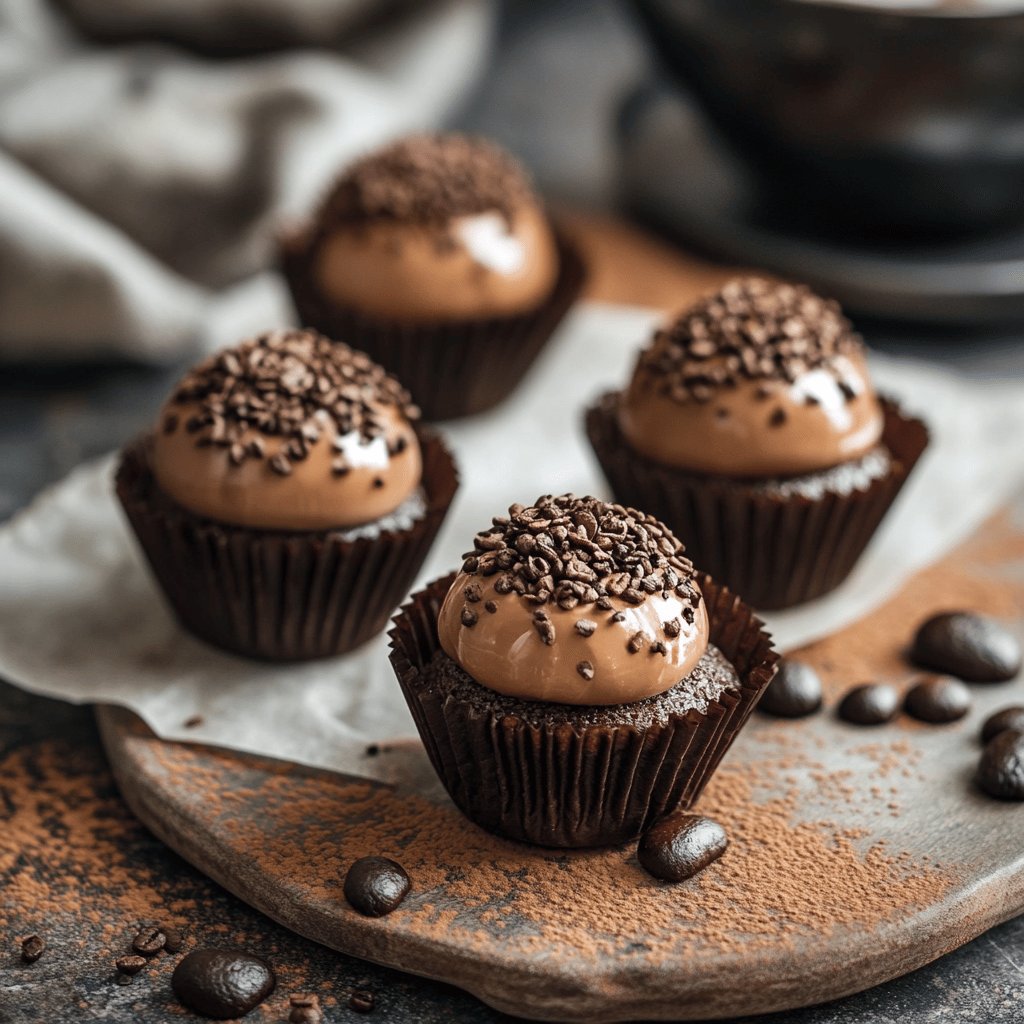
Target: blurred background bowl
column 907, row 120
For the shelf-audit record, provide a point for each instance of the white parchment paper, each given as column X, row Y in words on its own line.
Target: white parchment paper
column 81, row 619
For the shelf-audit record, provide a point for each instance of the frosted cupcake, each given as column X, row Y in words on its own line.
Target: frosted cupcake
column 286, row 497
column 752, row 429
column 435, row 256
column 577, row 679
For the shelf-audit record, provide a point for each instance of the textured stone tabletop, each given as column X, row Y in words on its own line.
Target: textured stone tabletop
column 93, row 875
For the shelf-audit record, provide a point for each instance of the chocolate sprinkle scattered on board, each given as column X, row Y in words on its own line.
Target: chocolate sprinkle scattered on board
column 581, row 551
column 753, row 329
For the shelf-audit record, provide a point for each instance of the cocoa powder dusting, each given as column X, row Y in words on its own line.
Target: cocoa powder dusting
column 779, row 881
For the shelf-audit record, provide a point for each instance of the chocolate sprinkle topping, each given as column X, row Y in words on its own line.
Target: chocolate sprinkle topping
column 469, row 617
column 428, row 179
column 287, row 384
column 586, row 627
column 544, row 626
column 581, row 550
column 753, row 329
column 586, row 670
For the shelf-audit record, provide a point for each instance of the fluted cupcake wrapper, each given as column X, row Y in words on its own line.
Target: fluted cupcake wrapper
column 452, row 369
column 277, row 595
column 776, row 550
column 576, row 786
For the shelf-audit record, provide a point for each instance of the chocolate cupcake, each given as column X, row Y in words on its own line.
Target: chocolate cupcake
column 434, row 256
column 577, row 679
column 751, row 428
column 285, row 499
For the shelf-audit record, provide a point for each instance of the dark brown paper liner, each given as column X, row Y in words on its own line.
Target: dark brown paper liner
column 562, row 786
column 774, row 550
column 453, row 369
column 277, row 595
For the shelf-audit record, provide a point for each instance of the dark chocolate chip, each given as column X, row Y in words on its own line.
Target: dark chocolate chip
column 149, row 941
column 793, row 693
column 490, row 607
column 870, row 704
column 130, row 964
column 680, row 846
column 222, row 983
column 361, row 1001
column 32, row 948
column 1008, row 718
column 972, row 647
column 1001, row 768
column 937, row 699
column 469, row 617
column 375, row 886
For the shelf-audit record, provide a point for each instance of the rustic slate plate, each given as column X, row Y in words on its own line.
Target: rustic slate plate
column 857, row 854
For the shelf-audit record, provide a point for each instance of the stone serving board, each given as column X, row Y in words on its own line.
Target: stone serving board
column 857, row 854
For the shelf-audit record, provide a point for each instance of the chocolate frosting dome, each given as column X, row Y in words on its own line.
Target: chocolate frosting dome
column 289, row 430
column 575, row 601
column 435, row 227
column 760, row 379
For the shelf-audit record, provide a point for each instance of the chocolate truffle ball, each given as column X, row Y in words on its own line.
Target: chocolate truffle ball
column 759, row 380
column 435, row 228
column 575, row 601
column 288, row 431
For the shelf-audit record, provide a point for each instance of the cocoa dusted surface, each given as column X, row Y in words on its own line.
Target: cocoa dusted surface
column 62, row 816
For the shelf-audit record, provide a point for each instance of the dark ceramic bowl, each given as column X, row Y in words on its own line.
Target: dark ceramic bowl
column 907, row 120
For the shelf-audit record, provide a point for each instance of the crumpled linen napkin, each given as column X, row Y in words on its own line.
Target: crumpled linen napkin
column 141, row 181
column 80, row 617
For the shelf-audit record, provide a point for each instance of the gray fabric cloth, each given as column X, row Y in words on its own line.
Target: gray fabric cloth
column 141, row 183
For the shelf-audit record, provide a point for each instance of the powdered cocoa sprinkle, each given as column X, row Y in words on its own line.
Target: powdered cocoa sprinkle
column 778, row 882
